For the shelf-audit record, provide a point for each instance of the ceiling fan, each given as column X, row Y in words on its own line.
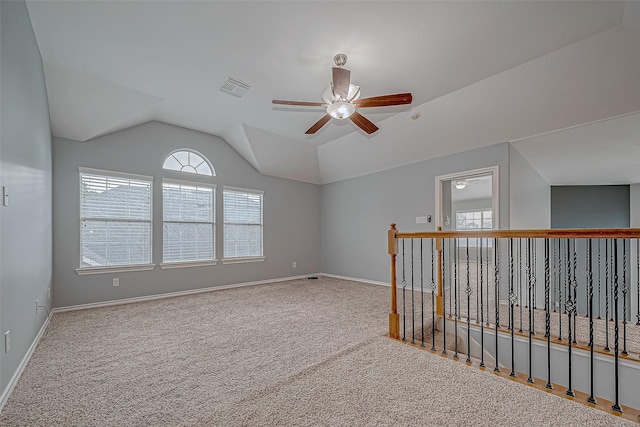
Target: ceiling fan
column 342, row 98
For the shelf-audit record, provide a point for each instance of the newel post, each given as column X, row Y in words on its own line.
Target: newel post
column 440, row 296
column 394, row 317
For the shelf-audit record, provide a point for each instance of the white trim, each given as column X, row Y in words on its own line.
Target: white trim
column 183, row 264
column 115, row 269
column 355, row 279
column 241, row 260
column 205, row 158
column 495, row 190
column 23, row 364
column 242, row 190
column 188, row 183
column 115, row 174
column 173, row 294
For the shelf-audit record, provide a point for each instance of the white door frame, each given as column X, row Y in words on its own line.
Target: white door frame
column 495, row 195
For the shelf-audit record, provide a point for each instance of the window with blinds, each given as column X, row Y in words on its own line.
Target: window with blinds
column 115, row 219
column 188, row 222
column 242, row 223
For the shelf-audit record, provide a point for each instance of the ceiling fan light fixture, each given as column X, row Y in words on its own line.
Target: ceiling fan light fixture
column 341, row 110
column 460, row 184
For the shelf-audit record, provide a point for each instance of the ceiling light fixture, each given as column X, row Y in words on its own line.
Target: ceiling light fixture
column 460, row 184
column 341, row 109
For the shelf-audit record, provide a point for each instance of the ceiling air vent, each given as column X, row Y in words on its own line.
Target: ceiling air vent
column 234, row 87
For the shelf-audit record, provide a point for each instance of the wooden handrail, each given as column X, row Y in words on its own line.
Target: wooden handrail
column 597, row 233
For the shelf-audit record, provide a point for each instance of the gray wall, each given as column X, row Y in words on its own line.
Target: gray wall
column 291, row 214
column 590, row 206
column 529, row 195
column 356, row 213
column 25, row 169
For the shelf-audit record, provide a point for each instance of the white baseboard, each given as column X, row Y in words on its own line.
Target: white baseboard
column 172, row 294
column 23, row 364
column 356, row 279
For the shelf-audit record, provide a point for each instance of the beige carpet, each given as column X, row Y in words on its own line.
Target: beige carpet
column 292, row 353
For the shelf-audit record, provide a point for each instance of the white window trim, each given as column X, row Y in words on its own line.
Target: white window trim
column 186, row 264
column 213, row 171
column 115, row 268
column 180, row 264
column 124, row 175
column 240, row 260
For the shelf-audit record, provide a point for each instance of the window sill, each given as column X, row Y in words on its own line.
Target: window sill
column 243, row 260
column 115, row 269
column 170, row 265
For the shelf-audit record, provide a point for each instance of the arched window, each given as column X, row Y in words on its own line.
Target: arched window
column 189, row 161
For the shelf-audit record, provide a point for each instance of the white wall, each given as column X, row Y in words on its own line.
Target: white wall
column 25, row 169
column 529, row 194
column 291, row 214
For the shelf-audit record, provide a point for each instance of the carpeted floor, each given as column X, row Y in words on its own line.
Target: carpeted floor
column 291, row 353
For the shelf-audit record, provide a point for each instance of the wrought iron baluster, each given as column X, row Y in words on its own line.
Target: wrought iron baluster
column 624, row 298
column 520, row 282
column 606, row 294
column 469, row 292
column 404, row 287
column 547, row 312
column 616, row 406
column 569, row 306
column 477, row 275
column 529, row 302
column 512, row 300
column 560, row 286
column 575, row 291
column 488, row 321
column 496, row 262
column 638, row 279
column 599, row 279
column 444, row 298
column 456, row 311
column 533, row 283
column 591, row 398
column 421, row 294
column 433, row 298
column 413, row 310
column 481, row 311
column 450, row 279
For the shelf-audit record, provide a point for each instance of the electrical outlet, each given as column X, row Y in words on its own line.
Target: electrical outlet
column 294, row 264
column 7, row 341
column 37, row 304
column 116, row 282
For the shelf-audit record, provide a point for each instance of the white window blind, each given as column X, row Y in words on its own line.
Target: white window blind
column 242, row 223
column 189, row 222
column 115, row 219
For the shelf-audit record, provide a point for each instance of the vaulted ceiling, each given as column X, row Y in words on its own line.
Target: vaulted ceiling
column 480, row 73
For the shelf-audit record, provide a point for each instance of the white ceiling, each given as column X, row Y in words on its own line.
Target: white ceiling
column 480, row 73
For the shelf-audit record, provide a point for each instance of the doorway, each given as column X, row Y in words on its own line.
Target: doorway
column 468, row 200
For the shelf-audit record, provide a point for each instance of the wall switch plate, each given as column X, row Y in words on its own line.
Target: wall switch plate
column 423, row 219
column 7, row 341
column 116, row 282
column 294, row 264
column 5, row 196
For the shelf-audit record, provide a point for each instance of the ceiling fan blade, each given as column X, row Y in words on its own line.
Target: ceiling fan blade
column 303, row 103
column 341, row 80
column 363, row 123
column 316, row 127
column 384, row 100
